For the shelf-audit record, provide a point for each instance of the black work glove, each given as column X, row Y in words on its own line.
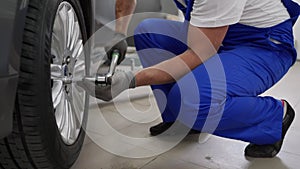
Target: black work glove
column 118, row 42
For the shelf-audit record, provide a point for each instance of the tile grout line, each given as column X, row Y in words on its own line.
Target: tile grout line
column 194, row 163
column 298, row 103
column 290, row 153
column 148, row 162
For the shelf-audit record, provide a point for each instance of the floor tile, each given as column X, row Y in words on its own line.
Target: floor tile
column 87, row 140
column 167, row 163
column 296, row 123
column 291, row 142
column 94, row 157
column 122, row 113
column 215, row 153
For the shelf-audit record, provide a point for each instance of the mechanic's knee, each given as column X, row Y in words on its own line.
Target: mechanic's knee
column 143, row 27
column 141, row 38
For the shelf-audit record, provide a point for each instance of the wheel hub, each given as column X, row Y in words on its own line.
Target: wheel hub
column 68, row 68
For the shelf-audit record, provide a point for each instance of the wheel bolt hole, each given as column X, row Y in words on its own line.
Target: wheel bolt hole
column 68, row 60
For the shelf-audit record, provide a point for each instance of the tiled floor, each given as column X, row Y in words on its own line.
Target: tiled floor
column 215, row 153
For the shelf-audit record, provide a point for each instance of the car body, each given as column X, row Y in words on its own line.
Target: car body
column 12, row 21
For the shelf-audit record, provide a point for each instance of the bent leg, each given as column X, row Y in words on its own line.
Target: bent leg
column 157, row 40
column 236, row 112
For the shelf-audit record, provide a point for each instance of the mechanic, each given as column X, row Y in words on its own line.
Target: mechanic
column 253, row 41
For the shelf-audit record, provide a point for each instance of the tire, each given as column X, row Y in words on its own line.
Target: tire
column 36, row 141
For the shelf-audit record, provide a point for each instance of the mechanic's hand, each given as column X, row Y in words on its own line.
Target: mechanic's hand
column 120, row 81
column 117, row 42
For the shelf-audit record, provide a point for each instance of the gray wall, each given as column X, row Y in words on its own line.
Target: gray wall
column 105, row 10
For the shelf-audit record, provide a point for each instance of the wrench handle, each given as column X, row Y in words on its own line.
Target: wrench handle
column 114, row 61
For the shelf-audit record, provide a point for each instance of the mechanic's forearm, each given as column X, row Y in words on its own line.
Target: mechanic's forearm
column 124, row 9
column 169, row 70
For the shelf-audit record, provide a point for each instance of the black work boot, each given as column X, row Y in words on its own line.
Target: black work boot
column 162, row 127
column 271, row 150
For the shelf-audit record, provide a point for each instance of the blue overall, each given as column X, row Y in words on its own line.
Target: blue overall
column 253, row 59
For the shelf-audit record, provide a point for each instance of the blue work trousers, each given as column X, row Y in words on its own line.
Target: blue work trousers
column 221, row 96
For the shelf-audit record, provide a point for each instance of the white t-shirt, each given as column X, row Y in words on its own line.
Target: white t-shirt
column 257, row 13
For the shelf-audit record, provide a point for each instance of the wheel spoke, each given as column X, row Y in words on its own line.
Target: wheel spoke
column 63, row 19
column 74, row 123
column 57, row 93
column 70, row 24
column 60, row 113
column 78, row 49
column 75, row 35
column 58, row 31
column 56, row 71
column 56, row 49
column 70, row 123
column 79, row 69
column 77, row 98
column 65, row 122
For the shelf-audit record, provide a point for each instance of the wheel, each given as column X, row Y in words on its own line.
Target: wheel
column 50, row 109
